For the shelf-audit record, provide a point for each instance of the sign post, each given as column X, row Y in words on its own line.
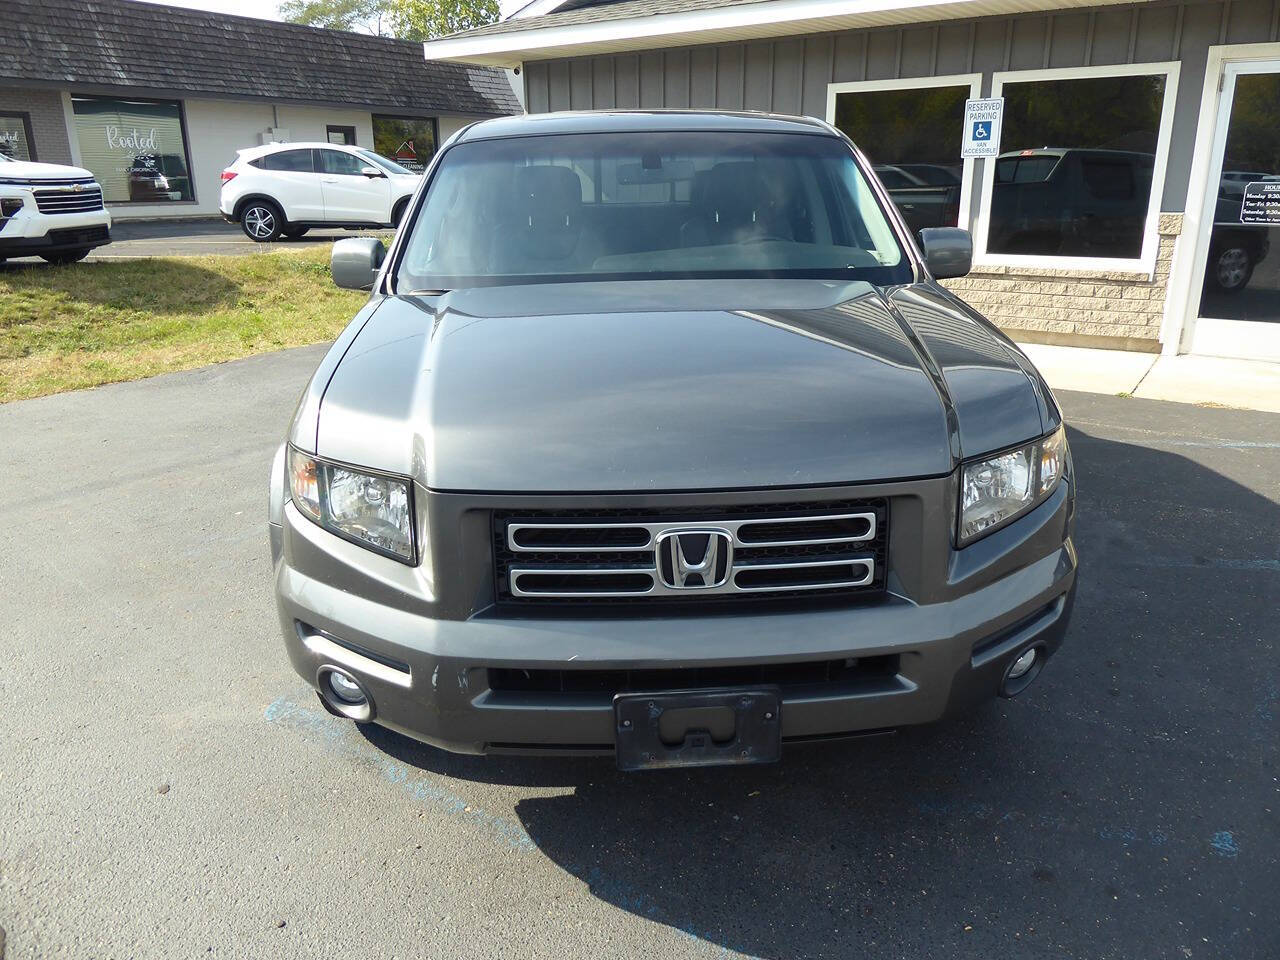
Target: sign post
column 982, row 120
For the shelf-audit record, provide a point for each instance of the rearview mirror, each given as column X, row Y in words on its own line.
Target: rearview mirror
column 372, row 172
column 355, row 262
column 948, row 251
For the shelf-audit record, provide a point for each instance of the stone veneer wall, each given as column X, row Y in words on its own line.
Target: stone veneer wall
column 1117, row 309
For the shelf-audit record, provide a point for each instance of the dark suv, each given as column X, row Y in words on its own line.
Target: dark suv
column 658, row 437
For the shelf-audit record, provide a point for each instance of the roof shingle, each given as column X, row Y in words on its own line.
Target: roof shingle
column 126, row 44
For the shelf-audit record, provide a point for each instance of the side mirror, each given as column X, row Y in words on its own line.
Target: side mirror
column 372, row 172
column 355, row 262
column 948, row 251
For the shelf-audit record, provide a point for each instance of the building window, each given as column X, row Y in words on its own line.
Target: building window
column 911, row 130
column 1081, row 166
column 137, row 149
column 15, row 136
column 408, row 141
column 343, row 136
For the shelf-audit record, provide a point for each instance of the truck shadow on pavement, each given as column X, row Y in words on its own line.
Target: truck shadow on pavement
column 1112, row 810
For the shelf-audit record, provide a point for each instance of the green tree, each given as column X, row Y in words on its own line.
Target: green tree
column 428, row 19
column 368, row 16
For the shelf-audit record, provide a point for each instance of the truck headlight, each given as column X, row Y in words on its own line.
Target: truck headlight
column 372, row 509
column 996, row 490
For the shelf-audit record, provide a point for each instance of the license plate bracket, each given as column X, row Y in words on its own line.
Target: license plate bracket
column 687, row 728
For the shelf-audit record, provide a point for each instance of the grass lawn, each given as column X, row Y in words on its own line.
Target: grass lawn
column 63, row 328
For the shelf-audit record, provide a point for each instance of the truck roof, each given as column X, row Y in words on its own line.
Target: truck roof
column 640, row 121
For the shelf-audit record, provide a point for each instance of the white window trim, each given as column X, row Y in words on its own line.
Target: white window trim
column 1146, row 263
column 972, row 80
column 1182, row 297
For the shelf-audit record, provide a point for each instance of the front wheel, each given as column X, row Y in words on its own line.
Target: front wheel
column 398, row 213
column 66, row 256
column 262, row 221
column 1230, row 269
column 293, row 233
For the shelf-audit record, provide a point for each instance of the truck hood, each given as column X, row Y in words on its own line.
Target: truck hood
column 673, row 385
column 27, row 170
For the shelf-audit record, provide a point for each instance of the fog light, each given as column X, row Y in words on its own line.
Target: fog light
column 1022, row 665
column 9, row 206
column 344, row 688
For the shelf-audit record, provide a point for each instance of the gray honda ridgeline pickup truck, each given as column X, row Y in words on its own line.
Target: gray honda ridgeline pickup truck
column 658, row 437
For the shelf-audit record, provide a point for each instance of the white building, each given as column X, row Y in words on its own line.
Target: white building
column 155, row 100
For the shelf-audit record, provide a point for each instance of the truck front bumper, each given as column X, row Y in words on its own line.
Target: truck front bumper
column 450, row 682
column 30, row 233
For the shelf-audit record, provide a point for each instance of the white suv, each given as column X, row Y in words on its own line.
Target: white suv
column 282, row 189
column 50, row 211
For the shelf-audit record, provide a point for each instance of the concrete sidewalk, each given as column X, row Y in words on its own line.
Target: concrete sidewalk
column 1244, row 384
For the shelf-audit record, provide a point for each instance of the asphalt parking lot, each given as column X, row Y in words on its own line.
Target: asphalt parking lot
column 170, row 788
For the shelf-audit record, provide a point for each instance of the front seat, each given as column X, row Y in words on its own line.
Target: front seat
column 732, row 203
column 544, row 223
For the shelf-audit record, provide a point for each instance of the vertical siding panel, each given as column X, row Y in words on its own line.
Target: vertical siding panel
column 1048, row 41
column 1249, row 22
column 882, row 55
column 1156, row 27
column 1275, row 20
column 917, row 52
column 954, row 48
column 558, row 87
column 1225, row 22
column 650, row 80
column 1026, row 43
column 702, row 77
column 626, row 77
column 535, row 87
column 602, row 91
column 1070, row 40
column 758, row 76
column 579, row 85
column 988, row 46
column 729, row 77
column 818, row 60
column 848, row 57
column 676, row 81
column 788, row 76
column 1111, row 37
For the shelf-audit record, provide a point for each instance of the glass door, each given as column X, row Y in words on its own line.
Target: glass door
column 1239, row 280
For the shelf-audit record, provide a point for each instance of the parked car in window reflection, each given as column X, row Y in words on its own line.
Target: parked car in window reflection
column 1061, row 201
column 1235, row 248
column 158, row 178
column 927, row 194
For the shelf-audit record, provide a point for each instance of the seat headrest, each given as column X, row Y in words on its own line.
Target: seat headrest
column 733, row 189
column 553, row 192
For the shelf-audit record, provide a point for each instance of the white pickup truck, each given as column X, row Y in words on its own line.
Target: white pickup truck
column 51, row 211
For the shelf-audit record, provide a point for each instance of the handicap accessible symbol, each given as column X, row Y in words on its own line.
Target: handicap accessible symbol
column 982, row 130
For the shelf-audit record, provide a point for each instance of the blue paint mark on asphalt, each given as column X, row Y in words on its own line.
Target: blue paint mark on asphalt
column 333, row 732
column 1224, row 844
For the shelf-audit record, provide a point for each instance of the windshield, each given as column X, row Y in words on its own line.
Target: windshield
column 649, row 206
column 383, row 162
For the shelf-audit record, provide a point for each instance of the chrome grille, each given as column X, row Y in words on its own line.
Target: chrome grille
column 621, row 555
column 67, row 200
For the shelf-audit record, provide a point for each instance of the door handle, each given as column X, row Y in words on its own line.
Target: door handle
column 329, row 180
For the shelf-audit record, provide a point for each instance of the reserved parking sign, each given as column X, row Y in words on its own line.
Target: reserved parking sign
column 982, row 127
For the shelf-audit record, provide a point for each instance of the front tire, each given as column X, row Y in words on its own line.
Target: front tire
column 63, row 257
column 1230, row 269
column 398, row 213
column 293, row 233
column 262, row 221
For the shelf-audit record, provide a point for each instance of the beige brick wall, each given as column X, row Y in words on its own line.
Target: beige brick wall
column 1103, row 308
